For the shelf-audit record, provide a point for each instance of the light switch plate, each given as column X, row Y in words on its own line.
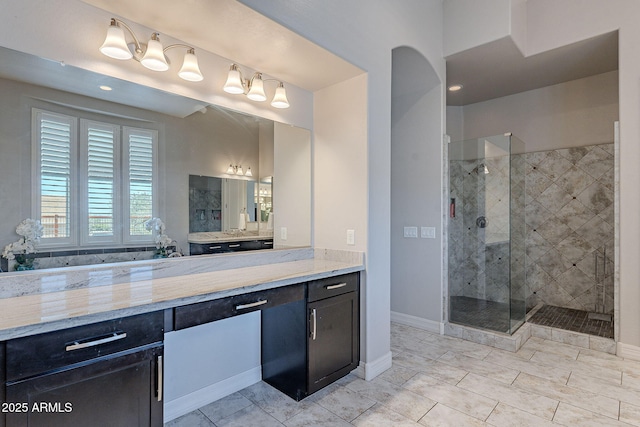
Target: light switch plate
column 351, row 237
column 411, row 232
column 428, row 232
column 283, row 233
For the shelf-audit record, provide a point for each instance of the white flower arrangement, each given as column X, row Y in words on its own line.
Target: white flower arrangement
column 31, row 232
column 160, row 238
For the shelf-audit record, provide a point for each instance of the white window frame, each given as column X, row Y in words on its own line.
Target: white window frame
column 83, row 206
column 78, row 200
column 36, row 197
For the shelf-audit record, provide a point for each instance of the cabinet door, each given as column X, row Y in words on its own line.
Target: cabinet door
column 119, row 391
column 333, row 339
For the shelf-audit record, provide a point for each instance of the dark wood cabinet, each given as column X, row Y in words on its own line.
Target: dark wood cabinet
column 103, row 374
column 308, row 345
column 234, row 246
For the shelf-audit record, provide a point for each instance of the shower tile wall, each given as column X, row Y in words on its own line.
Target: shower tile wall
column 205, row 204
column 570, row 227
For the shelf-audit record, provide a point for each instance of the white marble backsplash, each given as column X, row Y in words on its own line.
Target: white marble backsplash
column 14, row 284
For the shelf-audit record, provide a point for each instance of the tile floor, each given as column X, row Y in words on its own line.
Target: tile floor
column 572, row 320
column 442, row 381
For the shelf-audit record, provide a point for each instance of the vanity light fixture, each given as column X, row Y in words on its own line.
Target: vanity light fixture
column 254, row 88
column 237, row 170
column 455, row 87
column 152, row 55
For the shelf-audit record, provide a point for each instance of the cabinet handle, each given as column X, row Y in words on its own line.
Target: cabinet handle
column 268, row 243
column 160, row 379
column 251, row 304
column 313, row 324
column 234, row 246
column 215, row 247
column 338, row 286
column 114, row 337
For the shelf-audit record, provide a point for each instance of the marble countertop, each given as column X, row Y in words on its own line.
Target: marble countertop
column 44, row 312
column 215, row 237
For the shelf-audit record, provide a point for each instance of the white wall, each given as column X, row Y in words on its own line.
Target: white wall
column 291, row 186
column 572, row 114
column 365, row 36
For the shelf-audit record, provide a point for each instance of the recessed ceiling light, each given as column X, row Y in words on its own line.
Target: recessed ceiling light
column 105, row 87
column 455, row 88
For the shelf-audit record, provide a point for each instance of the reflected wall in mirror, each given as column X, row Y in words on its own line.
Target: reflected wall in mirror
column 193, row 138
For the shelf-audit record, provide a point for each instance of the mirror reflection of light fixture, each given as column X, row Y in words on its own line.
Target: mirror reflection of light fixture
column 237, row 170
column 152, row 55
column 254, row 88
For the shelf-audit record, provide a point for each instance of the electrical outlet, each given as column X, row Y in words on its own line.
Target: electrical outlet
column 283, row 233
column 428, row 232
column 411, row 232
column 351, row 237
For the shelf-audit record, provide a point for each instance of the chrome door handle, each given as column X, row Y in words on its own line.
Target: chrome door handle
column 251, row 304
column 314, row 324
column 338, row 286
column 160, row 379
column 78, row 345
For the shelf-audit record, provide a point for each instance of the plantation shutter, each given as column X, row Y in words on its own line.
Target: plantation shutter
column 141, row 159
column 55, row 147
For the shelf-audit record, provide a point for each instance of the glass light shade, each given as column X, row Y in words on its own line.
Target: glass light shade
column 234, row 81
column 115, row 45
column 239, row 171
column 280, row 98
column 154, row 58
column 230, row 170
column 190, row 70
column 248, row 172
column 256, row 93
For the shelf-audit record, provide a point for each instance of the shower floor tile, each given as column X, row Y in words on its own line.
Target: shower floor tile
column 571, row 320
column 479, row 313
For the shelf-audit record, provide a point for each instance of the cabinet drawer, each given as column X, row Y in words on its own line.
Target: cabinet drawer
column 36, row 354
column 208, row 248
column 332, row 286
column 210, row 311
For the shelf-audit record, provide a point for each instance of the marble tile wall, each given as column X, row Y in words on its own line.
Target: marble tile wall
column 205, row 210
column 570, row 227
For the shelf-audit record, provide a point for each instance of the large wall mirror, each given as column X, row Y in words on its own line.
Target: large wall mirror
column 193, row 139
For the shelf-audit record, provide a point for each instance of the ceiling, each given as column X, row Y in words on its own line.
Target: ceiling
column 237, row 32
column 499, row 69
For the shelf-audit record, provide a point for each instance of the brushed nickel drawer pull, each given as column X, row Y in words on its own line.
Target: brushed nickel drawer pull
column 268, row 243
column 78, row 345
column 251, row 304
column 160, row 379
column 314, row 325
column 234, row 246
column 338, row 286
column 215, row 247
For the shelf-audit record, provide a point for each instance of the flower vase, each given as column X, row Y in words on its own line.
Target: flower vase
column 160, row 253
column 23, row 263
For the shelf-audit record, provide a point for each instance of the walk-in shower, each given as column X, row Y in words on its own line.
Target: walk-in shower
column 486, row 233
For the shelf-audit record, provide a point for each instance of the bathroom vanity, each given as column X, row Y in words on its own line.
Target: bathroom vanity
column 81, row 359
column 217, row 243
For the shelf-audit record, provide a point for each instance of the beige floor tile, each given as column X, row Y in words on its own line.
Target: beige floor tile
column 381, row 416
column 192, row 419
column 225, row 407
column 631, row 381
column 272, row 401
column 552, row 373
column 251, row 416
column 568, row 415
column 535, row 404
column 507, row 416
column 345, row 403
column 398, row 374
column 422, row 348
column 315, row 415
column 604, row 388
column 401, row 400
column 617, row 363
column 443, row 416
column 552, row 347
column 441, row 371
column 564, row 362
column 480, row 367
column 630, row 414
column 573, row 396
column 464, row 401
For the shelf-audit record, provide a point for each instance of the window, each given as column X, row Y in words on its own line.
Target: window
column 95, row 181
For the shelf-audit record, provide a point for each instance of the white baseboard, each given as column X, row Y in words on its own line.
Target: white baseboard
column 199, row 398
column 370, row 370
column 628, row 351
column 417, row 322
